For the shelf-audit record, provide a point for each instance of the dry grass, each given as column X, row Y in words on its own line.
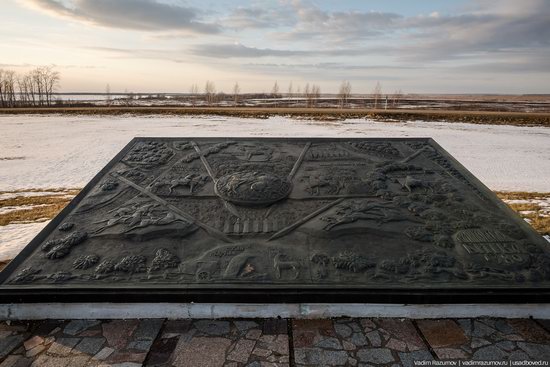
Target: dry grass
column 533, row 212
column 521, row 195
column 41, row 207
column 317, row 113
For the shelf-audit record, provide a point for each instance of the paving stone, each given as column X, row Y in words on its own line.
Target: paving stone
column 317, row 356
column 80, row 360
column 530, row 330
column 375, row 355
column 7, row 345
column 277, row 344
column 342, row 330
column 10, row 361
column 518, row 355
column 348, row 345
column 148, row 329
column 201, row 351
column 244, row 325
column 77, row 326
column 482, row 330
column 408, row 359
column 24, row 362
column 358, row 339
column 33, row 342
column 103, row 354
column 161, row 351
column 55, row 331
column 177, row 326
column 254, row 364
column 261, row 352
column 398, row 345
column 489, row 353
column 330, row 343
column 442, row 333
column 242, row 351
column 48, row 361
column 212, row 327
column 374, row 338
column 141, row 345
column 35, row 351
column 270, row 364
column 63, row 346
column 254, row 334
column 119, row 332
column 536, row 351
column 322, row 327
column 49, row 340
column 503, row 326
column 450, row 353
column 304, row 338
column 545, row 324
column 466, row 325
column 404, row 331
column 274, row 326
column 121, row 357
column 368, row 325
column 478, row 342
column 90, row 346
column 352, row 361
column 505, row 345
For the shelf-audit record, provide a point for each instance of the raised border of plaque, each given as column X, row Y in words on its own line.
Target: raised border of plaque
column 336, row 209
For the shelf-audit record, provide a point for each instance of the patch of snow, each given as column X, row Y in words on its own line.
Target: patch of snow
column 14, row 237
column 67, row 151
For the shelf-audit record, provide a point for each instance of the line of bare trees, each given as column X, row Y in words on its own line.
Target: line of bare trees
column 34, row 88
column 311, row 94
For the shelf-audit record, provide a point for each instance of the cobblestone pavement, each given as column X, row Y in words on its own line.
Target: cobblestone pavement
column 269, row 342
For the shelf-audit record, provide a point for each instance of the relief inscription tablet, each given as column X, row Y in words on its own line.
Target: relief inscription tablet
column 356, row 216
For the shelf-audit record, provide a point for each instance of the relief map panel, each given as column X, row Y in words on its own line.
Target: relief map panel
column 369, row 219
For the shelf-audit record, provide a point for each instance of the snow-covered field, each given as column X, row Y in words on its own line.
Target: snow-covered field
column 67, row 151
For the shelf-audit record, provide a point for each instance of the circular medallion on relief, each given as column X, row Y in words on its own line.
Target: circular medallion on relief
column 252, row 188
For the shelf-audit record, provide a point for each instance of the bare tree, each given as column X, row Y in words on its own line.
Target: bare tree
column 396, row 97
column 50, row 79
column 377, row 94
column 209, row 92
column 8, row 81
column 194, row 91
column 312, row 94
column 307, row 93
column 316, row 93
column 290, row 90
column 236, row 92
column 275, row 90
column 344, row 93
column 108, row 94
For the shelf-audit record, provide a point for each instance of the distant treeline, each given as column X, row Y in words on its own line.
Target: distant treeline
column 34, row 88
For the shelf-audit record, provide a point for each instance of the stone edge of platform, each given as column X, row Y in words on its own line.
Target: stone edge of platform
column 38, row 311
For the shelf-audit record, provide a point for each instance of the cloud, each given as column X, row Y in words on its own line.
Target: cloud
column 259, row 17
column 238, row 50
column 143, row 15
column 337, row 26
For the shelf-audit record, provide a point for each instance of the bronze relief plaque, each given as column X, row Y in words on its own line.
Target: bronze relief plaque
column 283, row 220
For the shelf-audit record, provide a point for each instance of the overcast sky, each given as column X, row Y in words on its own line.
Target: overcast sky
column 428, row 46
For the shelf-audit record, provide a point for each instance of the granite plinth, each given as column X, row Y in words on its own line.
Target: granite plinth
column 283, row 220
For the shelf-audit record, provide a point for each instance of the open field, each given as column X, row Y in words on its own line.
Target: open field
column 473, row 117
